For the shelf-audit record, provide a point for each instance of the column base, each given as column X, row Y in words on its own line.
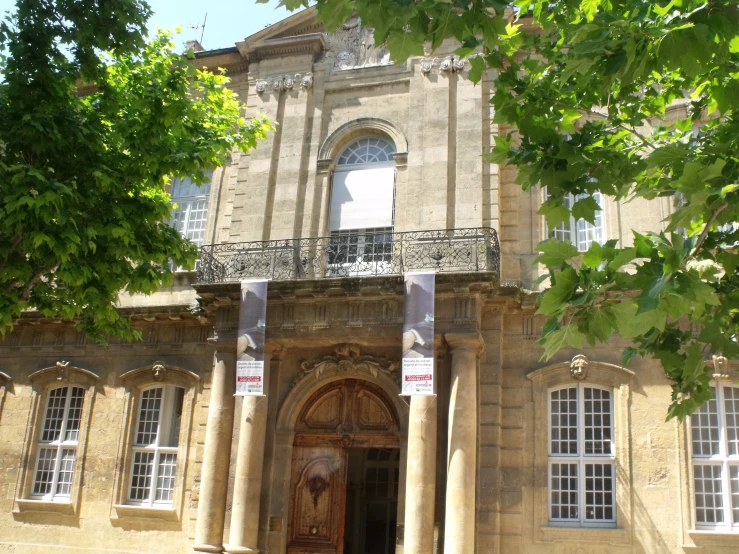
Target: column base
column 240, row 550
column 207, row 548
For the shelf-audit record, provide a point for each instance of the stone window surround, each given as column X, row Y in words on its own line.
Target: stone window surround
column 726, row 371
column 41, row 382
column 616, row 378
column 358, row 128
column 135, row 381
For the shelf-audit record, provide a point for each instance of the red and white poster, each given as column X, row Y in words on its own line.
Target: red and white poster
column 418, row 335
column 250, row 344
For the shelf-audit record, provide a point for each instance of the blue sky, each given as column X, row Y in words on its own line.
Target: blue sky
column 228, row 20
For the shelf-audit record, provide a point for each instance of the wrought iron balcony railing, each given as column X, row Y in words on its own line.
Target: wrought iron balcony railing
column 352, row 253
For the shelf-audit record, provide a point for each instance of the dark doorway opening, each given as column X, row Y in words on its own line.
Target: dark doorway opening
column 371, row 500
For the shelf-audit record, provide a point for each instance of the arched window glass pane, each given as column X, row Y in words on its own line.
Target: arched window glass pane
column 367, row 150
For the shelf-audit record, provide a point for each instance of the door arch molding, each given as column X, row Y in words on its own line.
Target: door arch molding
column 305, row 387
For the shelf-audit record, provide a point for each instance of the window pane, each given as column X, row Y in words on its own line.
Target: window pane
column 66, row 468
column 704, row 428
column 708, row 501
column 564, row 500
column 563, row 231
column 143, row 465
column 734, row 487
column 185, row 187
column 367, row 150
column 54, row 414
column 74, row 414
column 599, row 493
column 165, row 477
column 178, row 394
column 44, row 471
column 597, row 415
column 151, row 401
column 731, row 408
column 587, row 233
column 564, row 421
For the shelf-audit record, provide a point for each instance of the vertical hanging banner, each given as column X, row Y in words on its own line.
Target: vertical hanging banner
column 250, row 344
column 418, row 334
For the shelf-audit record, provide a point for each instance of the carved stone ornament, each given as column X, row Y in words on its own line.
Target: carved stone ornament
column 720, row 366
column 354, row 46
column 452, row 64
column 280, row 83
column 579, row 367
column 159, row 371
column 277, row 83
column 347, row 357
column 428, row 65
column 63, row 374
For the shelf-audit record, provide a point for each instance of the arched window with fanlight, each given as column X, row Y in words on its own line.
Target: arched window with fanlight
column 362, row 209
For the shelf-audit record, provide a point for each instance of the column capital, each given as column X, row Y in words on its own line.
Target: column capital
column 464, row 341
column 223, row 341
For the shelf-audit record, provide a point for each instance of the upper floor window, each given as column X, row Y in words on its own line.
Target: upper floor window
column 714, row 432
column 57, row 451
column 366, row 151
column 582, row 469
column 579, row 232
column 190, row 217
column 156, row 444
column 361, row 214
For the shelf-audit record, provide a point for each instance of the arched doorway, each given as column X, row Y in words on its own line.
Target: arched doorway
column 345, row 472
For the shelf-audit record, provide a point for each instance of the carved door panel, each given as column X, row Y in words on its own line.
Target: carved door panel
column 318, row 488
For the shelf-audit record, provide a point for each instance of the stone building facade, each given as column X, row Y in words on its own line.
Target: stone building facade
column 143, row 447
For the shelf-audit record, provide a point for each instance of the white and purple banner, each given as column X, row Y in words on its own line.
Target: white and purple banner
column 250, row 344
column 418, row 335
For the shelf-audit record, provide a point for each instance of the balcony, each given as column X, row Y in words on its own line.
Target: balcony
column 352, row 254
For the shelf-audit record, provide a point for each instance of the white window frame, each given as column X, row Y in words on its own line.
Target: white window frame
column 581, row 459
column 185, row 206
column 156, row 448
column 368, row 267
column 575, row 227
column 60, row 444
column 723, row 459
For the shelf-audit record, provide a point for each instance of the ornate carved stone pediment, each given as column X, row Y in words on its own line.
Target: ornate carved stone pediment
column 354, row 46
column 347, row 357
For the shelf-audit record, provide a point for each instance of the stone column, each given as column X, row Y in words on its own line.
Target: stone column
column 244, row 532
column 216, row 459
column 459, row 531
column 420, row 480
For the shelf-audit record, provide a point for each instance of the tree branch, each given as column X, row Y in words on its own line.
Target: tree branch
column 704, row 232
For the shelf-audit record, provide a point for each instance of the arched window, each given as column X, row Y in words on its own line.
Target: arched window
column 361, row 214
column 366, row 151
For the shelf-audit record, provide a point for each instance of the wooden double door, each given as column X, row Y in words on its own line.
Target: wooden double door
column 343, row 417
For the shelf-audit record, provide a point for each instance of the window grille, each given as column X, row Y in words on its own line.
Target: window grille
column 714, row 430
column 582, row 476
column 155, row 446
column 58, row 445
column 367, row 150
